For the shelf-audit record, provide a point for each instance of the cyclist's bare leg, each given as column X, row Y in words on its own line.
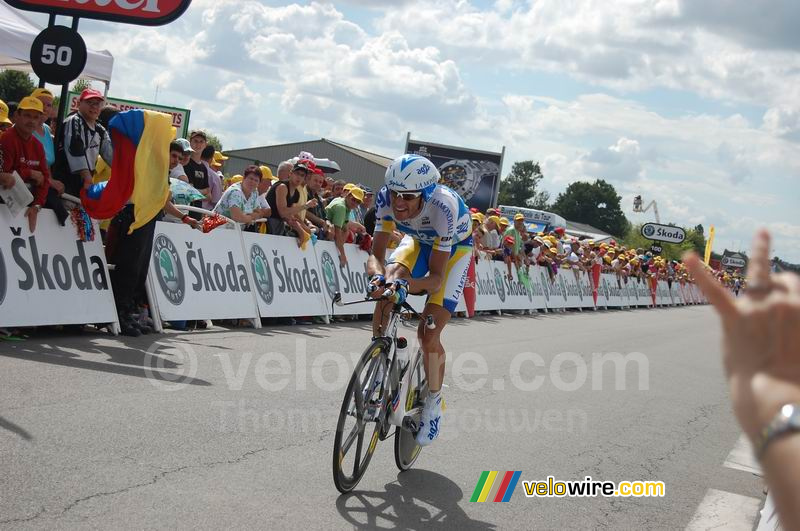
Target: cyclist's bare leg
column 431, row 345
column 381, row 315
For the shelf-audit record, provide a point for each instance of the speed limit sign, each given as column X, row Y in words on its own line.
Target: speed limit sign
column 58, row 55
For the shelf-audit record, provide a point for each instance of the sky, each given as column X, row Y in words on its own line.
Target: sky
column 695, row 105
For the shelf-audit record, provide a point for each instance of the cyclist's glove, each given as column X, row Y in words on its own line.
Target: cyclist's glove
column 375, row 282
column 400, row 291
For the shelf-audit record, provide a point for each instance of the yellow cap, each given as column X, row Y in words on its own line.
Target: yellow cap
column 504, row 221
column 266, row 173
column 494, row 219
column 357, row 192
column 29, row 103
column 236, row 179
column 42, row 93
column 219, row 157
column 348, row 187
column 519, row 215
column 4, row 113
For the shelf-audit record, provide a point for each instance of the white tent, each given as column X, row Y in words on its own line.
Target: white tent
column 17, row 34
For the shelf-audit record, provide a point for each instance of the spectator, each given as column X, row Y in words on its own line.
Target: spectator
column 22, row 153
column 337, row 212
column 5, row 123
column 81, row 141
column 283, row 199
column 178, row 172
column 284, row 171
column 42, row 132
column 219, row 162
column 214, row 178
column 336, row 190
column 196, row 171
column 491, row 237
column 361, row 211
column 316, row 215
column 240, row 200
column 130, row 252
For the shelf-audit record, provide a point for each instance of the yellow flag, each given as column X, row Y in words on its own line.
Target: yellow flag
column 709, row 245
column 151, row 168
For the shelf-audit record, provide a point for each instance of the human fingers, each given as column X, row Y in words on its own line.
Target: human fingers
column 716, row 292
column 758, row 279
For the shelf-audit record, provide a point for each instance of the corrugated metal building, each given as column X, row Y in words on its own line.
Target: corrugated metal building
column 358, row 166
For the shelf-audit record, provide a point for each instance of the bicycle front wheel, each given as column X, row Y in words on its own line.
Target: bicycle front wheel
column 406, row 449
column 361, row 406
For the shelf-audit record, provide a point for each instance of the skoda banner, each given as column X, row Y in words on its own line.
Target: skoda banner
column 200, row 276
column 50, row 277
column 288, row 281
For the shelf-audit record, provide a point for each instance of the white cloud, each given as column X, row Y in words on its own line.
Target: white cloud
column 619, row 162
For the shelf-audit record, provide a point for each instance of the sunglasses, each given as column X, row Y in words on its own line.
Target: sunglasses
column 405, row 196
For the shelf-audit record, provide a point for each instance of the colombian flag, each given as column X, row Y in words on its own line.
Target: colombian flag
column 139, row 170
column 496, row 486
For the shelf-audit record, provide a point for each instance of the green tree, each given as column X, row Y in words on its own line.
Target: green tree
column 213, row 140
column 81, row 84
column 519, row 187
column 597, row 204
column 15, row 85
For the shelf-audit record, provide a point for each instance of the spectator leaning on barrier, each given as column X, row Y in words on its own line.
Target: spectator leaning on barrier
column 20, row 152
column 338, row 211
column 283, row 199
column 240, row 200
column 196, row 171
column 5, row 123
column 81, row 141
column 42, row 132
column 316, row 216
column 214, row 178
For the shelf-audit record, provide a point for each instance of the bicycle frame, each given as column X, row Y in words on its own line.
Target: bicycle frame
column 395, row 385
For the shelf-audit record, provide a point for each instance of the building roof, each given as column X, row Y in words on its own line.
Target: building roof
column 374, row 157
column 582, row 229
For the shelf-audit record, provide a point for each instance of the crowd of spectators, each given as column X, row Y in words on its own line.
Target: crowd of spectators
column 299, row 200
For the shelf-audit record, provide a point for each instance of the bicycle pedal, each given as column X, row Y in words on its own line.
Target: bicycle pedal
column 410, row 424
column 373, row 410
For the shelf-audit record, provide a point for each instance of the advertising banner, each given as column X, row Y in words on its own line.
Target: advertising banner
column 643, row 297
column 200, row 276
column 612, row 289
column 474, row 175
column 51, row 277
column 180, row 117
column 487, row 287
column 288, row 281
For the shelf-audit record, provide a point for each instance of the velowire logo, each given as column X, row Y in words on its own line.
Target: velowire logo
column 168, row 269
column 262, row 275
column 329, row 275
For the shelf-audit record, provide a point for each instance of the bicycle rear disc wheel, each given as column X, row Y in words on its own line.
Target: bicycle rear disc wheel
column 352, row 447
column 406, row 449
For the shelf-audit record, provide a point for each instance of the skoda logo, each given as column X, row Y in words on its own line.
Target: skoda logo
column 501, row 289
column 648, row 230
column 545, row 287
column 259, row 265
column 168, row 268
column 329, row 274
column 3, row 278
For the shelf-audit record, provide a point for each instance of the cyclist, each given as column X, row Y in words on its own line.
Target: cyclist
column 432, row 258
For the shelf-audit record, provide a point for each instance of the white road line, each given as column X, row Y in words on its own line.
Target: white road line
column 725, row 510
column 742, row 458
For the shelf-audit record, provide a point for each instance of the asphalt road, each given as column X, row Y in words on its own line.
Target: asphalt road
column 94, row 437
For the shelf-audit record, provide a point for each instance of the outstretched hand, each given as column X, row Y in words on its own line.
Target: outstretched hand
column 761, row 336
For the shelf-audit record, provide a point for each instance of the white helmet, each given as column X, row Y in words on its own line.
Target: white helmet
column 411, row 173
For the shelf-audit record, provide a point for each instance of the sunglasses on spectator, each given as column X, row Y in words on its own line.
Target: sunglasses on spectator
column 405, row 196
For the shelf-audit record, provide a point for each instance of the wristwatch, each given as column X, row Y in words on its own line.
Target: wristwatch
column 37, row 207
column 786, row 420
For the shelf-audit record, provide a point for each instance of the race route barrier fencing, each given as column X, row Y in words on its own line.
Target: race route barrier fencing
column 51, row 277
